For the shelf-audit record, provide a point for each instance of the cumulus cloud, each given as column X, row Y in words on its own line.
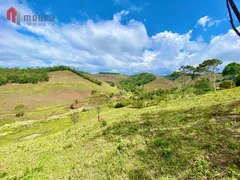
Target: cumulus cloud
column 108, row 46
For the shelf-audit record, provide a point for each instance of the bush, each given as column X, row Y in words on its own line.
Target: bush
column 119, row 105
column 19, row 108
column 111, row 95
column 20, row 114
column 85, row 110
column 3, row 174
column 227, row 84
column 94, row 92
column 111, row 83
column 103, row 123
column 202, row 86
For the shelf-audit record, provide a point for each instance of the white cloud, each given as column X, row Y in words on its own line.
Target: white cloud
column 206, row 21
column 118, row 16
column 109, row 46
column 203, row 21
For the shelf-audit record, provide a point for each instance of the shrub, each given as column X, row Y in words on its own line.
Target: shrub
column 20, row 114
column 94, row 92
column 227, row 84
column 111, row 95
column 3, row 174
column 119, row 105
column 103, row 123
column 202, row 86
column 111, row 83
column 19, row 108
column 85, row 110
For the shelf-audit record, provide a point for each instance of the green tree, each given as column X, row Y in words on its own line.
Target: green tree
column 210, row 69
column 184, row 72
column 174, row 76
column 97, row 101
column 232, row 69
column 75, row 117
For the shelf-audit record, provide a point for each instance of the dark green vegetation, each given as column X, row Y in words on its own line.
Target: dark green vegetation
column 137, row 80
column 35, row 75
column 109, row 73
column 111, row 83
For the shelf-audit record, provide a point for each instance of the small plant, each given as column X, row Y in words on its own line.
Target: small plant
column 85, row 110
column 159, row 142
column 75, row 118
column 76, row 102
column 167, row 152
column 3, row 174
column 19, row 108
column 94, row 92
column 103, row 123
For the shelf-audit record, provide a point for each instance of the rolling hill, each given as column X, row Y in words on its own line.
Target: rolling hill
column 110, row 77
column 63, row 88
column 159, row 83
column 192, row 138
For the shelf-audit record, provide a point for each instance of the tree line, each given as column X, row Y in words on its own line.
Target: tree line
column 208, row 71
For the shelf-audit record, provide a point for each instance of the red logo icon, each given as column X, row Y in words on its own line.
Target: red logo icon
column 13, row 15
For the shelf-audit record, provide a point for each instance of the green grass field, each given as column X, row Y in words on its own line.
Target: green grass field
column 192, row 138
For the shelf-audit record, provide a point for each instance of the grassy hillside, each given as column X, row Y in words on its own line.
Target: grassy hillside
column 195, row 138
column 35, row 75
column 63, row 88
column 110, row 77
column 159, row 83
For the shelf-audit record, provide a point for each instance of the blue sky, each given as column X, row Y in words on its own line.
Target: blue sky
column 126, row 36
